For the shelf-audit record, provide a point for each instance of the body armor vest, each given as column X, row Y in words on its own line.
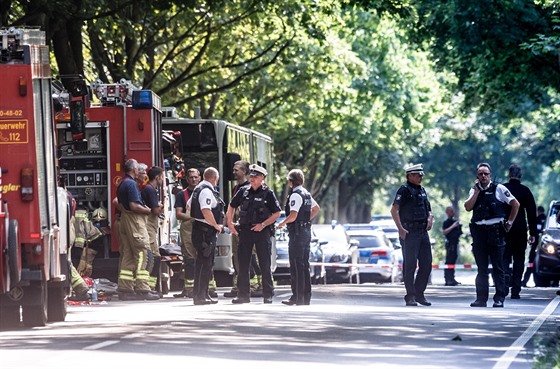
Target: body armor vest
column 196, row 211
column 304, row 213
column 253, row 209
column 487, row 206
column 415, row 210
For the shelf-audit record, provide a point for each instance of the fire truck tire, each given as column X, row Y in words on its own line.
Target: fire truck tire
column 57, row 306
column 35, row 315
column 14, row 257
column 9, row 316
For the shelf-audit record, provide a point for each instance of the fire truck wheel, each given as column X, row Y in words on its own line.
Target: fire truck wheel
column 35, row 315
column 9, row 316
column 57, row 307
column 14, row 257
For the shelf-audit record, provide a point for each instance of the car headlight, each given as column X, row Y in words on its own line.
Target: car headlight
column 550, row 248
column 339, row 258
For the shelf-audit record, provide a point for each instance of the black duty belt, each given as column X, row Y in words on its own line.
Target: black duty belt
column 415, row 226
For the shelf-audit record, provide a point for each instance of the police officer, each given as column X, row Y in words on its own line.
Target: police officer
column 240, row 172
column 207, row 209
column 488, row 200
column 451, row 229
column 150, row 196
column 258, row 210
column 133, row 275
column 516, row 238
column 301, row 209
column 412, row 214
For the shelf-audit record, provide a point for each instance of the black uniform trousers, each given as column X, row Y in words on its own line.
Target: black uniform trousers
column 514, row 253
column 451, row 255
column 417, row 252
column 261, row 241
column 204, row 239
column 488, row 243
column 299, row 245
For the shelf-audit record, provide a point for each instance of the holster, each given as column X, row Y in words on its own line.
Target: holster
column 209, row 241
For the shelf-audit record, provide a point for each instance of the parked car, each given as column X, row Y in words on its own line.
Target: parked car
column 338, row 249
column 378, row 253
column 392, row 232
column 316, row 259
column 547, row 258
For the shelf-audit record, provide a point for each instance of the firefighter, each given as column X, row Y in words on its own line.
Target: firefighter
column 151, row 199
column 207, row 209
column 133, row 275
column 258, row 211
column 87, row 242
column 79, row 286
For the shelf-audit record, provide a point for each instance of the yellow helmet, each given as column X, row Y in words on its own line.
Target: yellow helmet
column 99, row 214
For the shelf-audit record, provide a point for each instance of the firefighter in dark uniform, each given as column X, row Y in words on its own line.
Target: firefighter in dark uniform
column 412, row 214
column 258, row 211
column 300, row 208
column 516, row 238
column 488, row 200
column 207, row 209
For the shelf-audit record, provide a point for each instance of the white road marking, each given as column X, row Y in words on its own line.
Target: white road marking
column 99, row 345
column 507, row 358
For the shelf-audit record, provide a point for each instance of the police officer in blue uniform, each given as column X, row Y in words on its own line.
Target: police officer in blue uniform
column 412, row 214
column 207, row 209
column 258, row 211
column 487, row 201
column 300, row 208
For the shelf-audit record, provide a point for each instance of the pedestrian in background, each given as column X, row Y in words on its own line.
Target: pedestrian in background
column 300, row 209
column 412, row 214
column 207, row 209
column 258, row 211
column 452, row 231
column 488, row 201
column 516, row 238
column 541, row 221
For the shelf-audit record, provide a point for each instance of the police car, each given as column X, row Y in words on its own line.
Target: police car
column 547, row 258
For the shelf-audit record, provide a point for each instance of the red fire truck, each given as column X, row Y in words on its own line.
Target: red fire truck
column 97, row 133
column 34, row 212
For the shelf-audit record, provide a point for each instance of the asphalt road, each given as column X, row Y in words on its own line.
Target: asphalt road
column 346, row 326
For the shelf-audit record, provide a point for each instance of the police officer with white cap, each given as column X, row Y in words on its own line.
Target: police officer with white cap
column 412, row 214
column 258, row 211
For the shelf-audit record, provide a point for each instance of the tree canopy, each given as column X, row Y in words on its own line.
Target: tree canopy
column 350, row 91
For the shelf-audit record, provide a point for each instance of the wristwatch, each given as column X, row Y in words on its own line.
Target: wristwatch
column 509, row 222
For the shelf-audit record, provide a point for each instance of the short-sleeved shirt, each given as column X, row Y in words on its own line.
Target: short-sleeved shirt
column 269, row 198
column 503, row 195
column 206, row 198
column 296, row 201
column 128, row 192
column 455, row 233
column 181, row 201
column 150, row 196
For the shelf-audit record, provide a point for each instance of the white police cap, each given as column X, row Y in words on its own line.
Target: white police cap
column 415, row 168
column 257, row 169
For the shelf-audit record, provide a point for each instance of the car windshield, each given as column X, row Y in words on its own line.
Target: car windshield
column 553, row 218
column 368, row 241
column 336, row 236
